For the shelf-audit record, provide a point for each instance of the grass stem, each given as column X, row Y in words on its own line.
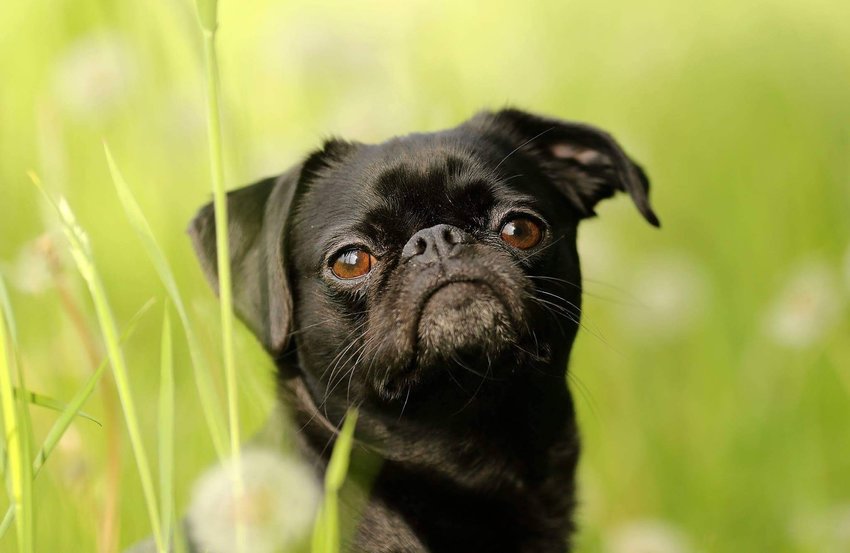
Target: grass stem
column 82, row 254
column 201, row 372
column 208, row 18
column 17, row 429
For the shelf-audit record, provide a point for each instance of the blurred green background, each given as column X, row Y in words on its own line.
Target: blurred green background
column 713, row 381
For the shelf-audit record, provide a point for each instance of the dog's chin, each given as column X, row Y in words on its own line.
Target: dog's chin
column 462, row 320
column 459, row 330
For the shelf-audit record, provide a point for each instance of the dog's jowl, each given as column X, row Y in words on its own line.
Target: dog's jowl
column 432, row 281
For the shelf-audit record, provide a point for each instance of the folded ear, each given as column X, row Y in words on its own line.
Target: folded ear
column 257, row 217
column 585, row 163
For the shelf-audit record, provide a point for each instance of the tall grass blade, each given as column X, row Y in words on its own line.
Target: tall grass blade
column 326, row 533
column 6, row 306
column 208, row 15
column 208, row 18
column 17, row 429
column 166, row 426
column 8, row 518
column 206, row 390
column 82, row 396
column 72, row 411
column 42, row 400
column 82, row 254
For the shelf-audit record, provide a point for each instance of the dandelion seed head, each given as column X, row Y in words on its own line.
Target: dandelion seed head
column 806, row 308
column 94, row 76
column 672, row 291
column 276, row 509
column 647, row 536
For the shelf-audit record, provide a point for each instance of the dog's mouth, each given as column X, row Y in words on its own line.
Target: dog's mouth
column 456, row 292
column 460, row 317
column 457, row 326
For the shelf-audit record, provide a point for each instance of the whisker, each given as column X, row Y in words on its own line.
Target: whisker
column 589, row 327
column 324, row 321
column 515, row 150
column 615, row 288
column 331, row 387
column 363, row 351
column 338, row 427
column 584, row 391
column 346, row 344
column 547, row 310
column 404, row 405
column 467, row 368
column 586, row 292
column 546, row 247
column 452, row 376
column 478, row 389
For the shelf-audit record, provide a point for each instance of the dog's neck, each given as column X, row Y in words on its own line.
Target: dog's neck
column 510, row 459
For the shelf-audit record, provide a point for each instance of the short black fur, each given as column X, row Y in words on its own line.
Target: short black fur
column 455, row 356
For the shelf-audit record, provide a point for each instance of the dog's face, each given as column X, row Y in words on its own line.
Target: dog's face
column 426, row 264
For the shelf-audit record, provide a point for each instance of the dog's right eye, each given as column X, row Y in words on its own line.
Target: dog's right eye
column 522, row 233
column 352, row 263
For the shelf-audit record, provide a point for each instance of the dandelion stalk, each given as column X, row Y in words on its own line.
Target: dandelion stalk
column 208, row 19
column 81, row 252
column 206, row 390
column 108, row 523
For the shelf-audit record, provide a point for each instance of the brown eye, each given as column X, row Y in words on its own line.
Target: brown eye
column 352, row 264
column 522, row 233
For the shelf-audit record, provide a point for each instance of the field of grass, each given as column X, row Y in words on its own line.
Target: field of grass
column 713, row 378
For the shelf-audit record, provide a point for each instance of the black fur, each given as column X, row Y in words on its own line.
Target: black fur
column 457, row 359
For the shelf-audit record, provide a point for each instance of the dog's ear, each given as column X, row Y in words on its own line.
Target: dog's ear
column 256, row 219
column 585, row 163
column 257, row 216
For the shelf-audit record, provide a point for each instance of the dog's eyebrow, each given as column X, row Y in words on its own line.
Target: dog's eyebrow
column 440, row 168
column 388, row 179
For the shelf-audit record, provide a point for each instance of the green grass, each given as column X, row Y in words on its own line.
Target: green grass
column 82, row 253
column 693, row 411
column 201, row 369
column 165, row 422
column 326, row 533
column 17, row 432
column 70, row 411
column 208, row 22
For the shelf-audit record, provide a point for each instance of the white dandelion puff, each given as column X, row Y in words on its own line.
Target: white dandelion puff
column 826, row 532
column 672, row 292
column 276, row 510
column 806, row 308
column 30, row 272
column 315, row 43
column 183, row 118
column 94, row 75
column 647, row 536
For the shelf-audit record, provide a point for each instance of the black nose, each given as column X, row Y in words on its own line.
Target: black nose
column 432, row 243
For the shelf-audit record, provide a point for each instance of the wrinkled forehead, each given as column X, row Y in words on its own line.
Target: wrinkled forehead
column 393, row 189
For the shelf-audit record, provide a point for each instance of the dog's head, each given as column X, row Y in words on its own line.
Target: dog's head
column 388, row 271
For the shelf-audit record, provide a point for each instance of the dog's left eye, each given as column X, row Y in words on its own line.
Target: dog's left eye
column 352, row 263
column 522, row 233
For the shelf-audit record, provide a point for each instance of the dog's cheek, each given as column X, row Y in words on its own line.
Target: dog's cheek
column 389, row 346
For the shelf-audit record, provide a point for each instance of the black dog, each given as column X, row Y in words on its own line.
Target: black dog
column 433, row 281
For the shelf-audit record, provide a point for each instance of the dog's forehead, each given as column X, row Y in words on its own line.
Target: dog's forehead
column 408, row 183
column 437, row 163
